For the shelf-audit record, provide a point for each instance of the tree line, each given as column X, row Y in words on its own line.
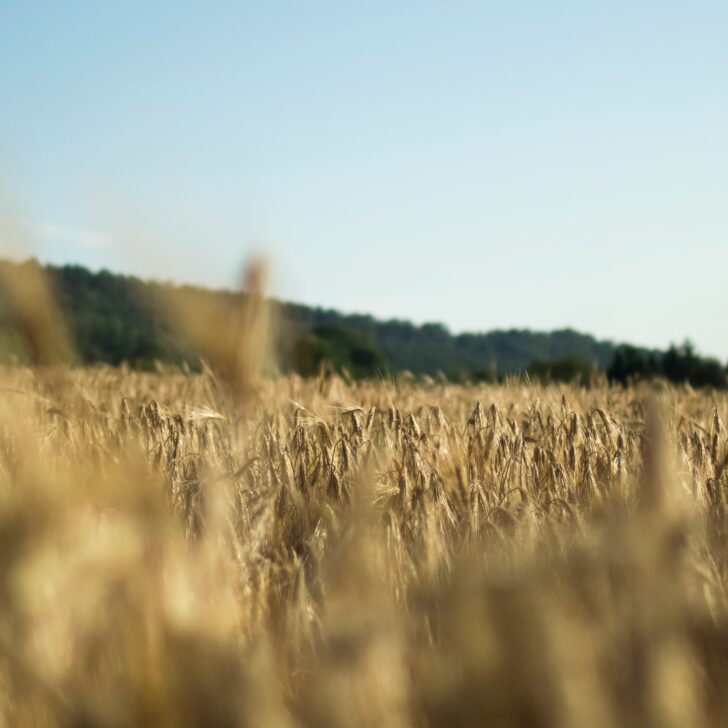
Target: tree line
column 115, row 318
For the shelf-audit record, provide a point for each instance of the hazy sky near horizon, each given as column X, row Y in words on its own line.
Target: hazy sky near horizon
column 539, row 164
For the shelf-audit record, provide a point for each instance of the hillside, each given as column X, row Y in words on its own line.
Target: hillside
column 112, row 319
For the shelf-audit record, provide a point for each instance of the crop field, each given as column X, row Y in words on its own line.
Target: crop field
column 335, row 553
column 361, row 364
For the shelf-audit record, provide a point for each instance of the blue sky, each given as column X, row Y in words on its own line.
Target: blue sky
column 539, row 164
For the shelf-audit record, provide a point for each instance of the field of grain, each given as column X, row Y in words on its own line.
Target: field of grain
column 392, row 553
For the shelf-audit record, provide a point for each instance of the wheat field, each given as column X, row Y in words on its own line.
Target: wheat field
column 361, row 364
column 333, row 553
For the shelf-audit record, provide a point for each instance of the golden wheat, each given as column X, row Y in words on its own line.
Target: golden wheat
column 350, row 554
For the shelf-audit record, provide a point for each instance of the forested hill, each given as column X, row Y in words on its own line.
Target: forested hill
column 431, row 348
column 112, row 319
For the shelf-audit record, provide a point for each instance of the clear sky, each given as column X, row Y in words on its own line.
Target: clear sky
column 483, row 164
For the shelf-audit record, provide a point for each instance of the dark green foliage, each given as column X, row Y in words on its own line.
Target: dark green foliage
column 110, row 318
column 630, row 362
column 569, row 369
column 113, row 319
column 682, row 364
column 339, row 347
column 489, row 374
column 309, row 354
column 679, row 364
